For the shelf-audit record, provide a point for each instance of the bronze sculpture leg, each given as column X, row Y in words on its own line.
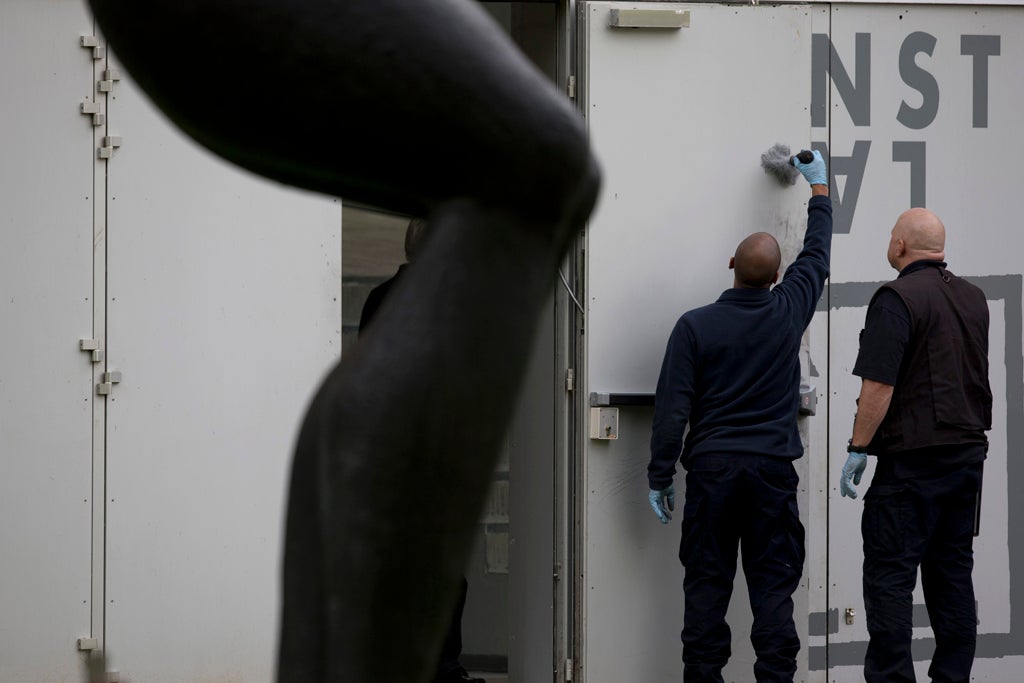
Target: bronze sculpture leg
column 419, row 106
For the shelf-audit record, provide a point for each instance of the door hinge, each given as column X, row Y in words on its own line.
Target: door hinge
column 106, row 84
column 110, row 142
column 109, row 380
column 570, row 87
column 568, row 670
column 93, row 347
column 93, row 43
column 570, row 377
column 93, row 109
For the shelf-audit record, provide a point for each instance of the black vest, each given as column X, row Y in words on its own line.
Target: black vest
column 942, row 395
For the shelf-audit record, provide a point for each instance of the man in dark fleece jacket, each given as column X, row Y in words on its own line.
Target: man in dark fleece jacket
column 732, row 371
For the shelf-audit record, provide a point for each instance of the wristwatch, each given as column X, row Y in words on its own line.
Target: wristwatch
column 850, row 448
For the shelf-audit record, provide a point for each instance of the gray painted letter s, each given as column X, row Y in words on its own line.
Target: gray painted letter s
column 920, row 80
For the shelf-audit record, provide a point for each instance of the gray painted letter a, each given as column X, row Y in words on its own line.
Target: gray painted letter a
column 853, row 168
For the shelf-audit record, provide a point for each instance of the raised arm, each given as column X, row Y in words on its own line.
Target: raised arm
column 805, row 277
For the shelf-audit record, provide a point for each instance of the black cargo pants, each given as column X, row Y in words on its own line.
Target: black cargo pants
column 925, row 521
column 747, row 502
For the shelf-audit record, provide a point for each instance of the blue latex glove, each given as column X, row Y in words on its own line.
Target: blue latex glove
column 852, row 471
column 663, row 502
column 815, row 172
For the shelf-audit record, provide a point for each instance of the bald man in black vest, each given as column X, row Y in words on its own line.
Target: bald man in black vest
column 924, row 407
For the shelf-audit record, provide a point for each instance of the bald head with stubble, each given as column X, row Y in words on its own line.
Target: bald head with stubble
column 756, row 262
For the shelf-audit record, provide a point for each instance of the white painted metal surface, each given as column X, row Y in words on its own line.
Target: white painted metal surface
column 906, row 3
column 223, row 313
column 679, row 119
column 919, row 106
column 46, row 274
column 961, row 97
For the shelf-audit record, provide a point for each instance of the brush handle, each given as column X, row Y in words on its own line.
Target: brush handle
column 805, row 156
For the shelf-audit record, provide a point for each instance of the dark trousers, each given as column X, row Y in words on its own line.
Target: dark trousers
column 747, row 502
column 451, row 650
column 927, row 522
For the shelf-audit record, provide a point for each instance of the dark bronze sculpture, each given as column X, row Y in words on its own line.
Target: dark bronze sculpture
column 423, row 107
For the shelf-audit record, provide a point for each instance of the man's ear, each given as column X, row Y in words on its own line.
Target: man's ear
column 732, row 262
column 776, row 277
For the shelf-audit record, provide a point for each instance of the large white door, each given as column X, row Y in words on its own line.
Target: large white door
column 223, row 313
column 146, row 520
column 924, row 110
column 46, row 307
column 679, row 118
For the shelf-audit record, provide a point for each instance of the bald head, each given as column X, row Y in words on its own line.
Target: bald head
column 917, row 235
column 756, row 261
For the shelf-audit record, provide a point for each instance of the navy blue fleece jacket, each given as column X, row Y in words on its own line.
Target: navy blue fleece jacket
column 732, row 368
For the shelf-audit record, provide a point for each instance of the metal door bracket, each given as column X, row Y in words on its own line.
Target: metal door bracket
column 110, row 143
column 93, row 347
column 106, row 84
column 111, row 378
column 93, row 43
column 93, row 109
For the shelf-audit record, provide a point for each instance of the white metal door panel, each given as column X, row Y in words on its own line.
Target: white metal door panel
column 223, row 313
column 531, row 491
column 925, row 110
column 679, row 119
column 46, row 271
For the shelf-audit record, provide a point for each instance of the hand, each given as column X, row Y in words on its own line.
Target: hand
column 663, row 502
column 815, row 172
column 852, row 470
